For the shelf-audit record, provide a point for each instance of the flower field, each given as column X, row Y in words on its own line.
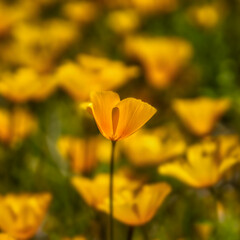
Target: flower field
column 119, row 120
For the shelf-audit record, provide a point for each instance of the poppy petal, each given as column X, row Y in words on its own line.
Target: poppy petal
column 181, row 171
column 102, row 106
column 133, row 114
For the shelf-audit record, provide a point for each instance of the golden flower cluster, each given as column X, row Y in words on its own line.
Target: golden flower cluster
column 60, row 60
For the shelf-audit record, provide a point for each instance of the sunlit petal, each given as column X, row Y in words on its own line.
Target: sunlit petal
column 102, row 106
column 133, row 114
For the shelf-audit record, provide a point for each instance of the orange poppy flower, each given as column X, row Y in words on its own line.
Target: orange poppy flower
column 119, row 119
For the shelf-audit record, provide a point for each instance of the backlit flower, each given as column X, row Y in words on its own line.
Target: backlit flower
column 205, row 162
column 119, row 119
column 81, row 153
column 21, row 215
column 201, row 114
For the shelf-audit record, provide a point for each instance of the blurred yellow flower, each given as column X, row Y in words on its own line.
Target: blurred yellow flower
column 205, row 162
column 39, row 45
column 16, row 125
column 96, row 190
column 21, row 215
column 137, row 207
column 133, row 204
column 93, row 74
column 26, row 84
column 151, row 147
column 123, row 21
column 206, row 16
column 109, row 74
column 81, row 153
column 119, row 119
column 75, row 81
column 4, row 236
column 162, row 58
column 200, row 114
column 80, row 12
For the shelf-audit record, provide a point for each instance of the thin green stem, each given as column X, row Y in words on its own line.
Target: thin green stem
column 111, row 192
column 130, row 233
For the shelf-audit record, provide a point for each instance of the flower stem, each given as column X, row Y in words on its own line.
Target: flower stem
column 111, row 191
column 130, row 233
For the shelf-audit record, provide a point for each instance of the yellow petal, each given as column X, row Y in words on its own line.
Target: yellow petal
column 133, row 114
column 201, row 167
column 229, row 151
column 200, row 114
column 151, row 147
column 83, row 186
column 180, row 171
column 102, row 106
column 150, row 199
column 227, row 163
column 137, row 209
column 202, row 159
column 92, row 191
